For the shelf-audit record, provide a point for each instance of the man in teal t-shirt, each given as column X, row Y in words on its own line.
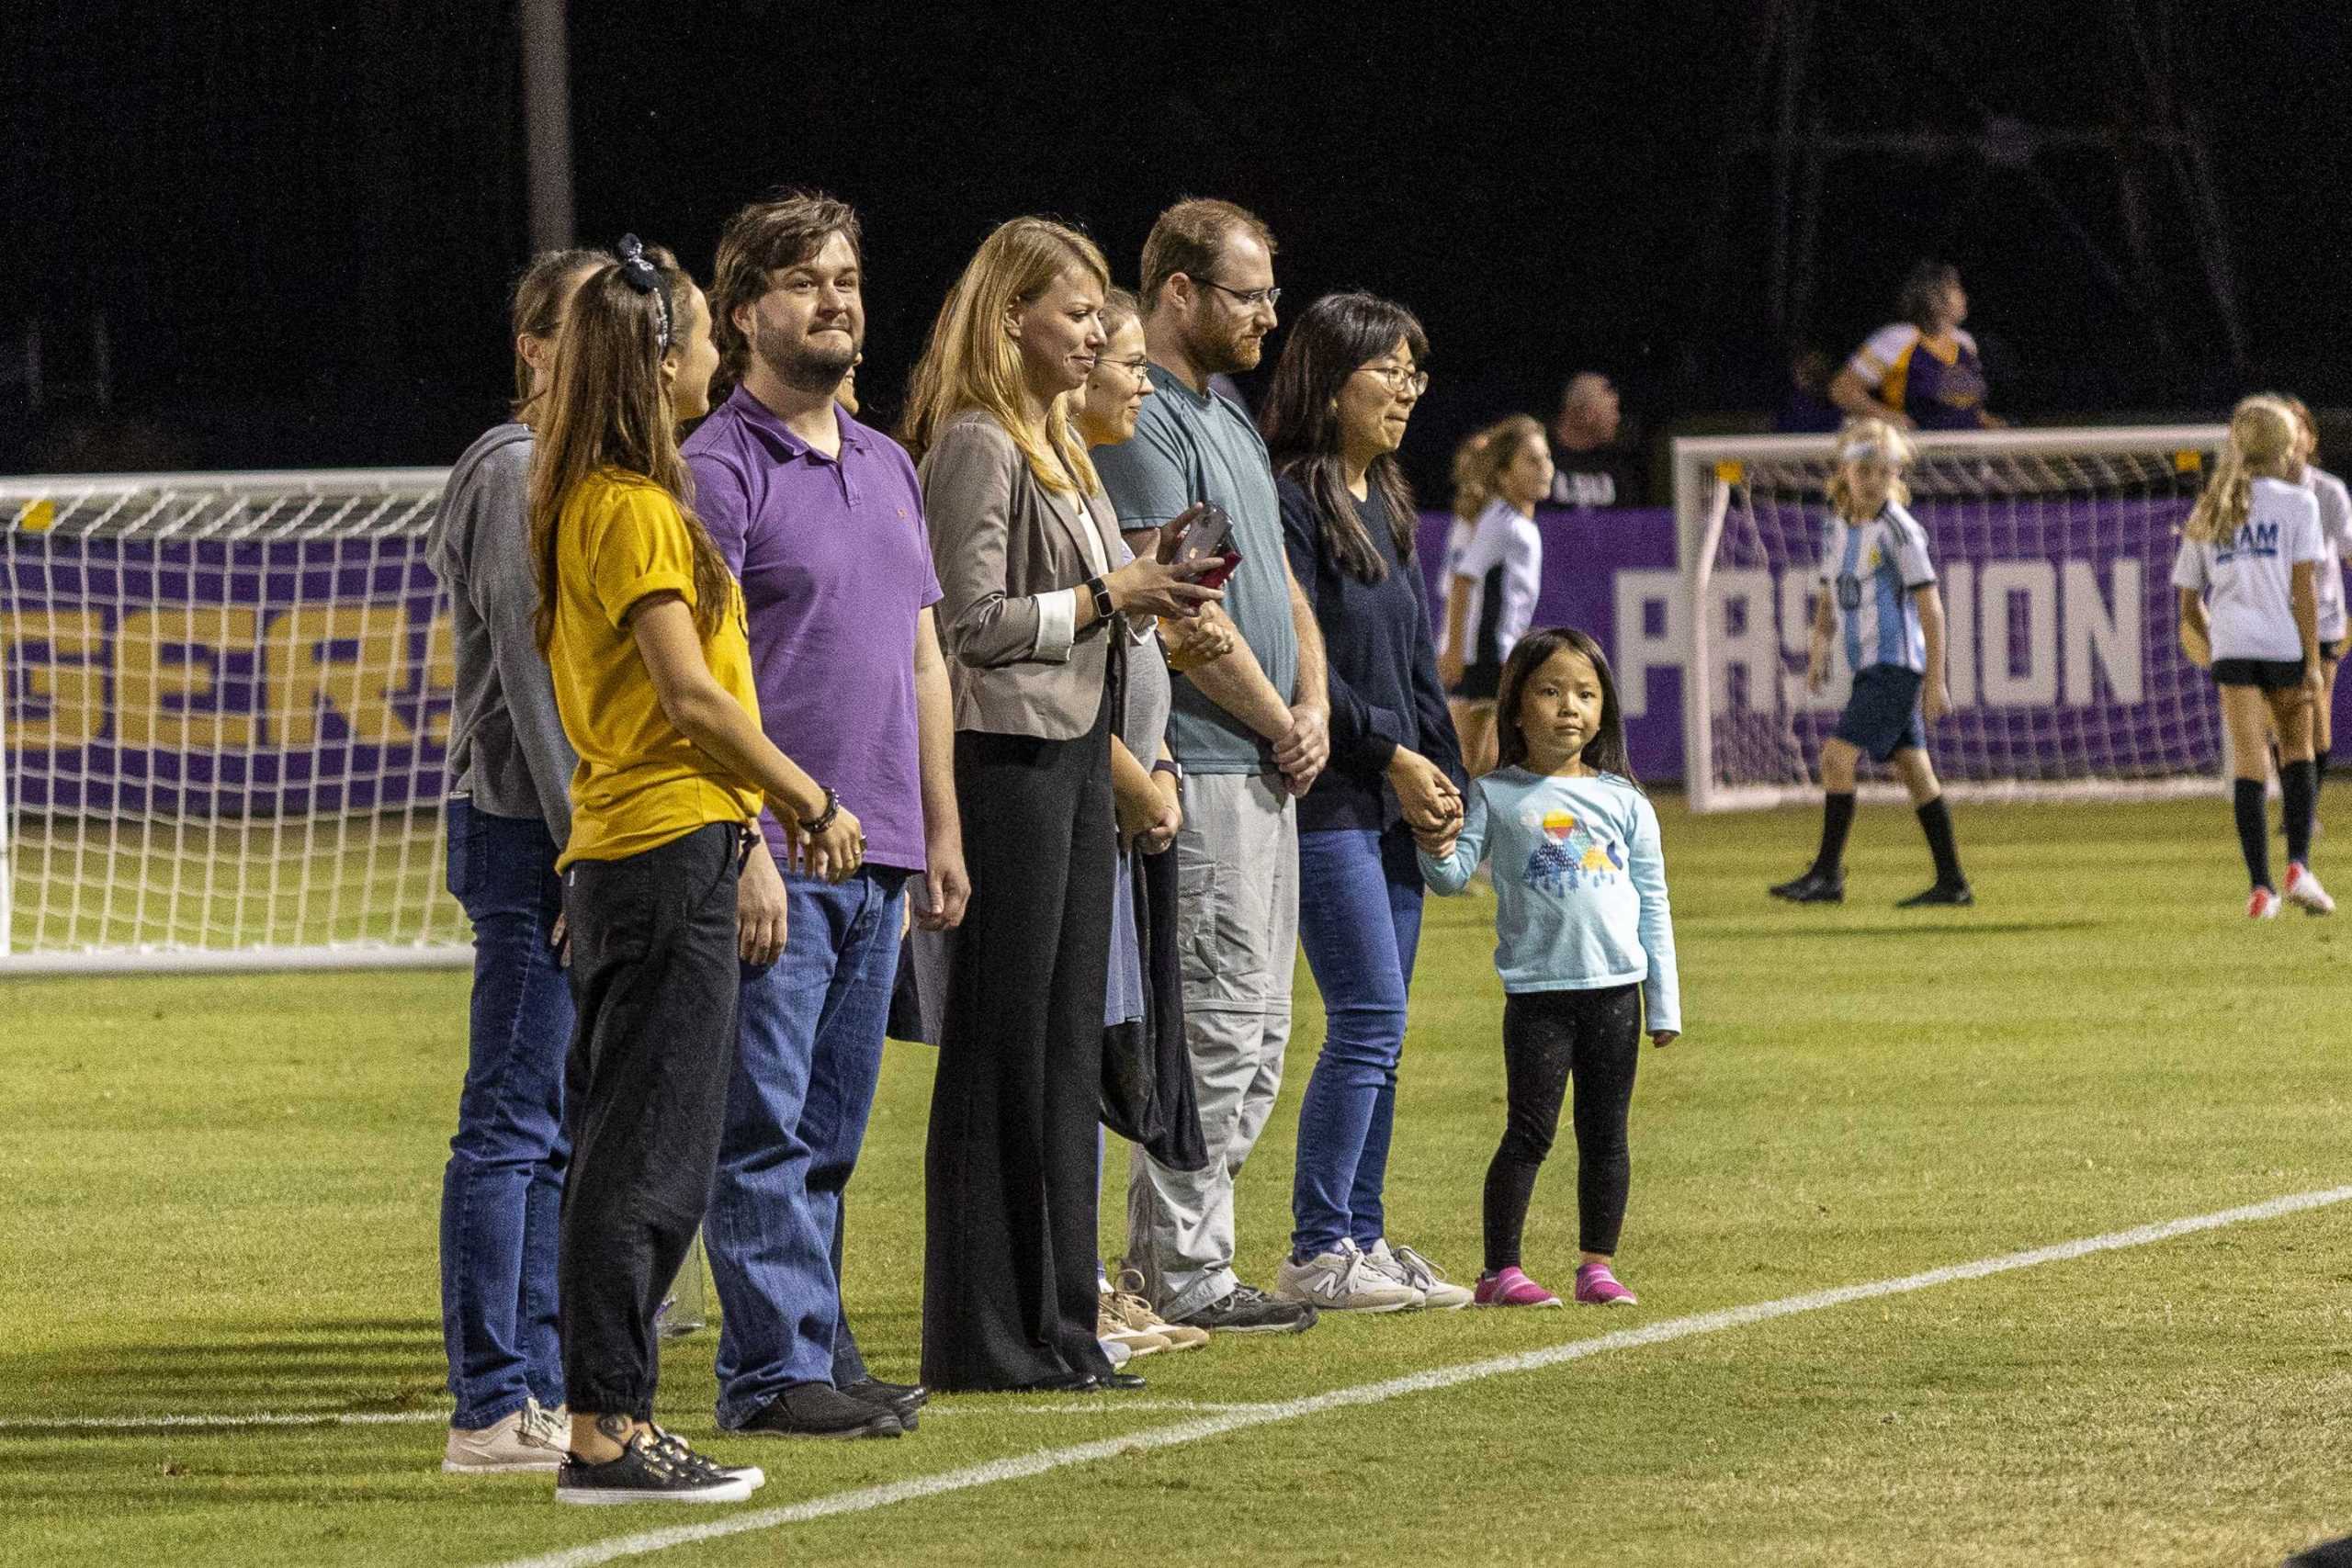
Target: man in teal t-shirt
column 1250, row 730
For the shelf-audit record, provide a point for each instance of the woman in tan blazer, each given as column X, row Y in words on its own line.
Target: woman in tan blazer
column 1034, row 622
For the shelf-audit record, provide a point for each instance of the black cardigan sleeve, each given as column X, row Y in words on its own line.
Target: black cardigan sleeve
column 1364, row 736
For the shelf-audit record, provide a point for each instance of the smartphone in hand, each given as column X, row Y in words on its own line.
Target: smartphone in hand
column 1209, row 535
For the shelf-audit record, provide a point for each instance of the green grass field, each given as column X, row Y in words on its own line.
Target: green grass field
column 222, row 1197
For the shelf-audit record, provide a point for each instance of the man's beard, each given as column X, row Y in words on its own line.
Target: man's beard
column 1221, row 354
column 812, row 369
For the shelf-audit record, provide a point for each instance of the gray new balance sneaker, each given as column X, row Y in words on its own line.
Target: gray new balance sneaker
column 1343, row 1280
column 1410, row 1269
column 533, row 1438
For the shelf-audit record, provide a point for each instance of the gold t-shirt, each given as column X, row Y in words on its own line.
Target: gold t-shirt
column 639, row 783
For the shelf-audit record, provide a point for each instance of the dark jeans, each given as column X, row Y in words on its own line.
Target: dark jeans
column 653, row 974
column 1359, row 921
column 1009, row 1270
column 1549, row 1036
column 809, row 1032
column 502, row 1189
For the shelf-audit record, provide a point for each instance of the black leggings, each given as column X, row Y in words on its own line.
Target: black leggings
column 1548, row 1035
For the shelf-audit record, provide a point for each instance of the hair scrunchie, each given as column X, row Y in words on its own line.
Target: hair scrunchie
column 640, row 273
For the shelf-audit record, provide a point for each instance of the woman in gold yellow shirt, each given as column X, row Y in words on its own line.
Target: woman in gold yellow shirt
column 643, row 629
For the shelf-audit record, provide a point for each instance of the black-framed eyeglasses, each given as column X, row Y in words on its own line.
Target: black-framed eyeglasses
column 1400, row 377
column 1250, row 298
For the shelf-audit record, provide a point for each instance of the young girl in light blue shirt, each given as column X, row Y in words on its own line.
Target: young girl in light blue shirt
column 1585, row 948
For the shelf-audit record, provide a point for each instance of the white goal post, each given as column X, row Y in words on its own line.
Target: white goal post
column 2054, row 549
column 224, row 708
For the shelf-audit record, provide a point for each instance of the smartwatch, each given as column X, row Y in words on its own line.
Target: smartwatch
column 1103, row 609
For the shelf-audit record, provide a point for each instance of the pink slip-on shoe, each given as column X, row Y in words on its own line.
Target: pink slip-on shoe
column 1596, row 1286
column 1510, row 1288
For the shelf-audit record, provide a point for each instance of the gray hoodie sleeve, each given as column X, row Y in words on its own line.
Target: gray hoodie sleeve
column 505, row 591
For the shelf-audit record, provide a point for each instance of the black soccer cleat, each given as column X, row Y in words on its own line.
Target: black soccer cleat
column 1815, row 886
column 1956, row 895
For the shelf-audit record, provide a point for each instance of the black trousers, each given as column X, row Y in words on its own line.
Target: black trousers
column 653, row 978
column 1010, row 1178
column 1548, row 1037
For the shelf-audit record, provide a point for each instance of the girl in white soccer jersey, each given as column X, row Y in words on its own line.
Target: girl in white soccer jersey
column 1878, row 584
column 1585, row 944
column 2248, row 574
column 1494, row 570
column 2336, row 541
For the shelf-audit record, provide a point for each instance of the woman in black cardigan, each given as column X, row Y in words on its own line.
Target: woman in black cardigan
column 1335, row 415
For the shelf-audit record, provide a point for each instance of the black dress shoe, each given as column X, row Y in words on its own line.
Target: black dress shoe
column 1956, row 894
column 1122, row 1382
column 1063, row 1383
column 820, row 1410
column 1815, row 886
column 900, row 1399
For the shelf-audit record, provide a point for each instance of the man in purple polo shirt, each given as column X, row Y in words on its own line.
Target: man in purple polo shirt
column 822, row 519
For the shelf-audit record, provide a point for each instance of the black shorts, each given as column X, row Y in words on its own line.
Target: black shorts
column 1479, row 684
column 2270, row 674
column 1883, row 716
column 2333, row 652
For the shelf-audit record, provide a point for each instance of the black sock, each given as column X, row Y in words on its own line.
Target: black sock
column 2299, row 782
column 2254, row 831
column 2319, row 775
column 1934, row 820
column 1836, row 820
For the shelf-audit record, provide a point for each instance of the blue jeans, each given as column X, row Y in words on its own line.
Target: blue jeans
column 502, row 1190
column 810, row 1031
column 1359, row 921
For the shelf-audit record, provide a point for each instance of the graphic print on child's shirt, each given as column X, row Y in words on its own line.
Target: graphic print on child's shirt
column 1570, row 853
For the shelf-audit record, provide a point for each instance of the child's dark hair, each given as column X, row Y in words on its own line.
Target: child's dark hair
column 1605, row 753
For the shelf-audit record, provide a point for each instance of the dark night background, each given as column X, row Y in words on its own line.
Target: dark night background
column 300, row 223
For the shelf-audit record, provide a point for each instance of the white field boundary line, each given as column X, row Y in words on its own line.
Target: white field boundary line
column 403, row 1417
column 1022, row 1466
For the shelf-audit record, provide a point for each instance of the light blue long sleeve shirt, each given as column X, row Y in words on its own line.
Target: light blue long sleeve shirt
column 1579, row 885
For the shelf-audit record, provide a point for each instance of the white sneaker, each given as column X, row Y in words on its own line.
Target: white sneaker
column 2262, row 905
column 1343, row 1280
column 533, row 1438
column 1409, row 1269
column 2303, row 888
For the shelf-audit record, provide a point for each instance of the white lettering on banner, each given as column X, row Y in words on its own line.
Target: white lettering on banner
column 1639, row 650
column 1958, row 588
column 2113, row 634
column 2005, row 646
column 1740, row 636
column 2004, row 683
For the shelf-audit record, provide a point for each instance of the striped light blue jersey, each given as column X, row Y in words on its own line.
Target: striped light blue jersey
column 1870, row 571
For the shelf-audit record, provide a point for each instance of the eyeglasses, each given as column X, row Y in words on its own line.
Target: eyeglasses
column 1250, row 298
column 1400, row 377
column 1133, row 368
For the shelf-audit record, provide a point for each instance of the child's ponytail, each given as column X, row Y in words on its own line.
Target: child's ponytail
column 2261, row 439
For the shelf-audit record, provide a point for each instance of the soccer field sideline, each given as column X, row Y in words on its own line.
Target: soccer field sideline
column 1235, row 1419
column 2071, row 1058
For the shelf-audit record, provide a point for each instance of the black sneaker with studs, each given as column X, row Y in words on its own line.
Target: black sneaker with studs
column 1815, row 886
column 652, row 1469
column 1956, row 894
column 903, row 1400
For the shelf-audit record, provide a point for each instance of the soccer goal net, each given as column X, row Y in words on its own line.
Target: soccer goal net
column 2054, row 549
column 226, row 703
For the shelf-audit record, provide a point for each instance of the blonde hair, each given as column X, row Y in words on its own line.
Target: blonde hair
column 1479, row 462
column 972, row 363
column 1863, row 439
column 2262, row 437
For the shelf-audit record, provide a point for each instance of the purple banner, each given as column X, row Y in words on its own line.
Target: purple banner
column 2063, row 655
column 223, row 679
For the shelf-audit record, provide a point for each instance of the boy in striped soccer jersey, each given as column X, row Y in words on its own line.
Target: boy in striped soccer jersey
column 1879, row 588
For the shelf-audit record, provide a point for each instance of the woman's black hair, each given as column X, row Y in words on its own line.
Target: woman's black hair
column 1921, row 302
column 1605, row 753
column 1334, row 338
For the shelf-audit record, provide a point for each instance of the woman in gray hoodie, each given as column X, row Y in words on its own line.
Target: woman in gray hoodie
column 509, row 811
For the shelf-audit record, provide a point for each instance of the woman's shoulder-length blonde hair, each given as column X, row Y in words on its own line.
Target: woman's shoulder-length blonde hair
column 972, row 363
